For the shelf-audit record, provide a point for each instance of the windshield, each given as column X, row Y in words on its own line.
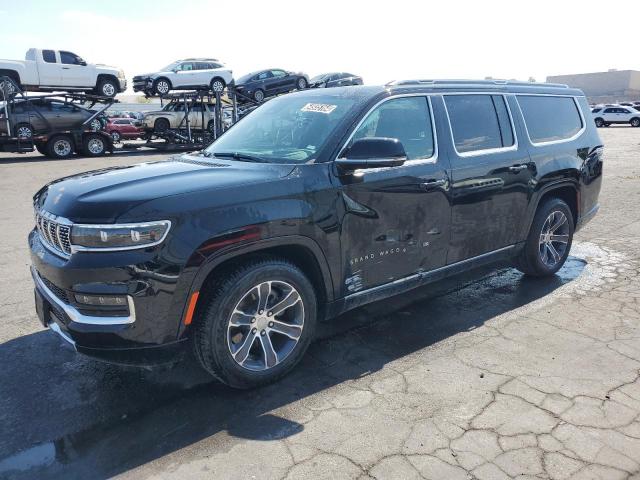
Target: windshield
column 288, row 129
column 169, row 67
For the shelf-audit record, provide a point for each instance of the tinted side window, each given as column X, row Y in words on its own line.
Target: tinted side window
column 407, row 119
column 550, row 118
column 479, row 122
column 68, row 58
column 596, row 110
column 609, row 110
column 49, row 56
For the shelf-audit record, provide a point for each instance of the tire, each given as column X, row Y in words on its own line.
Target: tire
column 217, row 85
column 161, row 125
column 215, row 337
column 542, row 255
column 60, row 147
column 635, row 122
column 599, row 122
column 211, row 127
column 258, row 96
column 23, row 131
column 161, row 86
column 301, row 84
column 107, row 87
column 94, row 145
column 95, row 125
column 115, row 136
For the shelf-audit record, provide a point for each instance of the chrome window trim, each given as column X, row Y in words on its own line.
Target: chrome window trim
column 552, row 142
column 418, row 161
column 78, row 317
column 486, row 151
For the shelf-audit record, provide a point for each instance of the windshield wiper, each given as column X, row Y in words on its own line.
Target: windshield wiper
column 243, row 157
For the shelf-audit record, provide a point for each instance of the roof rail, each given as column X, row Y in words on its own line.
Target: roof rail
column 519, row 83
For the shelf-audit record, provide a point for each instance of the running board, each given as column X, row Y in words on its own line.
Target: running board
column 418, row 280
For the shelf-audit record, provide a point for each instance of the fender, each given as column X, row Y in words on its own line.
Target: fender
column 537, row 196
column 236, row 250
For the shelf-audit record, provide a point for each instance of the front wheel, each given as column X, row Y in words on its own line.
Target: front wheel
column 107, row 88
column 549, row 241
column 302, row 83
column 24, row 131
column 161, row 125
column 115, row 136
column 256, row 323
column 161, row 86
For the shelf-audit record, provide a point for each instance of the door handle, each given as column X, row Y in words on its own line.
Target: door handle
column 433, row 183
column 518, row 168
column 65, row 68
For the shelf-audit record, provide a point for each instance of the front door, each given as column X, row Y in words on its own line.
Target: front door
column 396, row 219
column 75, row 72
column 490, row 174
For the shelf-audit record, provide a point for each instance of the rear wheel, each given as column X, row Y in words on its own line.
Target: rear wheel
column 217, row 85
column 599, row 123
column 94, row 145
column 549, row 241
column 60, row 146
column 211, row 127
column 635, row 122
column 258, row 95
column 8, row 88
column 256, row 323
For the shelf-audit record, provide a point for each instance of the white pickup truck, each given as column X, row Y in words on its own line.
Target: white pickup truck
column 49, row 70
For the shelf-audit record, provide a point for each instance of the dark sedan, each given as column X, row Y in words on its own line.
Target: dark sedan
column 267, row 83
column 336, row 79
column 43, row 115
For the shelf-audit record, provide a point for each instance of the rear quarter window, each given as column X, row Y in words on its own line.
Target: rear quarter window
column 550, row 119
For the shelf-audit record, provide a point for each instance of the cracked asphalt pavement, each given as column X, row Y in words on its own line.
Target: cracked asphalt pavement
column 487, row 376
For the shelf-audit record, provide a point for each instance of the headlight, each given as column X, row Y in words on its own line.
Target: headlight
column 119, row 236
column 121, row 74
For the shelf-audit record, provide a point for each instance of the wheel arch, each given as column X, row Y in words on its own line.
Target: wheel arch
column 567, row 191
column 13, row 74
column 107, row 76
column 302, row 251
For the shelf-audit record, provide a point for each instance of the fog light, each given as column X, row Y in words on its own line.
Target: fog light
column 101, row 300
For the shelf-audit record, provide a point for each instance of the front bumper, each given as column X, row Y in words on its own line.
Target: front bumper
column 123, row 84
column 142, row 84
column 145, row 332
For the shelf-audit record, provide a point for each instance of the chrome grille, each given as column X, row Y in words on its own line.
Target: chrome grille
column 54, row 232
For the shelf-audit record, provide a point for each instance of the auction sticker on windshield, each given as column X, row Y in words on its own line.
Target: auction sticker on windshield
column 319, row 107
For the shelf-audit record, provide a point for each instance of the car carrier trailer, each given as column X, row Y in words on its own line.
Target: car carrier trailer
column 85, row 139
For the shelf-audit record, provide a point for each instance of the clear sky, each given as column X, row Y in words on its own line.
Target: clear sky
column 379, row 40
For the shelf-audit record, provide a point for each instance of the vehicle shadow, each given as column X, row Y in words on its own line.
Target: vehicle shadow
column 65, row 415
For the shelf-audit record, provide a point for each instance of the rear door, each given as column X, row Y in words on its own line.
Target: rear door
column 49, row 68
column 396, row 219
column 491, row 173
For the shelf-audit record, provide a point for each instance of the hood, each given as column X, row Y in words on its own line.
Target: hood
column 158, row 112
column 101, row 196
column 107, row 68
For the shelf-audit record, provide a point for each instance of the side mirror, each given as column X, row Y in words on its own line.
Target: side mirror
column 372, row 152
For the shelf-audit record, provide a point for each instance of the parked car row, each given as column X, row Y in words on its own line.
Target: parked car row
column 616, row 114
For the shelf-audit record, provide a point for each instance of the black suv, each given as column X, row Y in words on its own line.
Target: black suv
column 315, row 203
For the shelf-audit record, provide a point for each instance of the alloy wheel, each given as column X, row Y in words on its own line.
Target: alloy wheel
column 554, row 238
column 217, row 86
column 108, row 89
column 162, row 87
column 265, row 325
column 115, row 136
column 24, row 132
